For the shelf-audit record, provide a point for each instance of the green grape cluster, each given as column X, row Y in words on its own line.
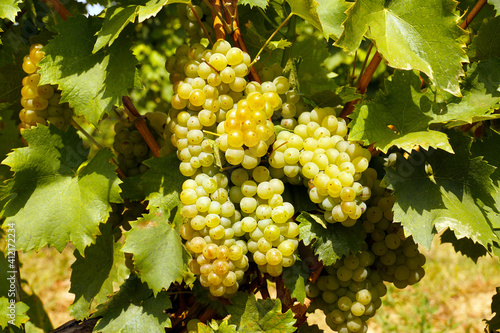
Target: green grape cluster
column 349, row 292
column 247, row 132
column 220, row 258
column 131, row 149
column 207, row 83
column 41, row 102
column 267, row 219
column 318, row 155
column 187, row 16
column 398, row 259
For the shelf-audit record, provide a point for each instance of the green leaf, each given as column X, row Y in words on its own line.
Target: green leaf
column 481, row 95
column 115, row 20
column 496, row 4
column 58, row 189
column 399, row 116
column 332, row 13
column 311, row 72
column 330, row 244
column 159, row 255
column 39, row 318
column 295, row 278
column 485, row 45
column 9, row 9
column 162, row 182
column 411, row 35
column 254, row 3
column 12, row 313
column 134, row 309
column 214, row 326
column 93, row 276
column 152, row 7
column 131, row 189
column 306, row 9
column 251, row 315
column 91, row 83
column 278, row 45
column 437, row 190
column 9, row 137
column 325, row 15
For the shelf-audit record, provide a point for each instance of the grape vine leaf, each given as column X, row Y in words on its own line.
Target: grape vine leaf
column 159, row 256
column 9, row 9
column 115, row 20
column 496, row 4
column 92, row 83
column 311, row 72
column 19, row 316
column 325, row 15
column 214, row 326
column 411, row 35
column 152, row 7
column 438, row 190
column 295, row 280
column 487, row 147
column 485, row 45
column 134, row 309
column 332, row 243
column 9, row 137
column 252, row 315
column 399, row 116
column 59, row 195
column 93, row 275
column 254, row 3
column 162, row 182
column 481, row 96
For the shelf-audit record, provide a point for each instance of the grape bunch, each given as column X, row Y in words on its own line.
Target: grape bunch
column 40, row 102
column 209, row 229
column 349, row 292
column 131, row 148
column 187, row 16
column 207, row 83
column 267, row 219
column 318, row 155
column 398, row 259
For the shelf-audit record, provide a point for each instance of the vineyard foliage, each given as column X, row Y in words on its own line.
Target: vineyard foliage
column 417, row 83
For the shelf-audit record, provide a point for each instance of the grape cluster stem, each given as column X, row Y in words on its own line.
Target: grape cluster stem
column 139, row 122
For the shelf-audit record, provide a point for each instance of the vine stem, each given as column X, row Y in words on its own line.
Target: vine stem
column 59, row 8
column 475, row 10
column 270, row 38
column 201, row 24
column 97, row 144
column 219, row 23
column 141, row 125
column 364, row 79
column 232, row 12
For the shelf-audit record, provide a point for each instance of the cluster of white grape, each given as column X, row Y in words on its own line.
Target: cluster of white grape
column 318, row 155
column 267, row 219
column 40, row 102
column 398, row 259
column 348, row 292
column 189, row 20
column 207, row 83
column 131, row 149
column 211, row 233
